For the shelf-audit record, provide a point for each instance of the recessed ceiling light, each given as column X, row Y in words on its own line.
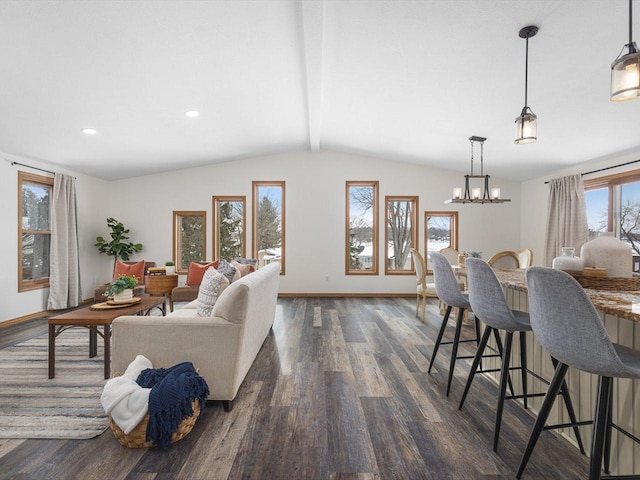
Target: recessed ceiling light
column 192, row 113
column 89, row 131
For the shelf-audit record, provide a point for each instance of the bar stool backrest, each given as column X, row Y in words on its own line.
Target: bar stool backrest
column 567, row 324
column 447, row 287
column 487, row 297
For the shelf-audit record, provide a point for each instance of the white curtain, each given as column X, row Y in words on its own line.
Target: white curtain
column 566, row 216
column 64, row 274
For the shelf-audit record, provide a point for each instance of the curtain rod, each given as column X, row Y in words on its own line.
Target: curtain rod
column 605, row 168
column 35, row 168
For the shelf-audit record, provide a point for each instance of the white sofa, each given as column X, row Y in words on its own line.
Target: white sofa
column 223, row 346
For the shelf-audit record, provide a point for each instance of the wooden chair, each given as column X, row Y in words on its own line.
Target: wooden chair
column 424, row 290
column 506, row 259
column 525, row 257
column 451, row 254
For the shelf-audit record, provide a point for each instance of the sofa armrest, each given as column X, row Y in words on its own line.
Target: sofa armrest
column 212, row 344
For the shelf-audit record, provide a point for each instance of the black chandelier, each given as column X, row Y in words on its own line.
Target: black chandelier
column 625, row 70
column 527, row 122
column 483, row 194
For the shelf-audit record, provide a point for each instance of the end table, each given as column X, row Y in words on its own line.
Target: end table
column 160, row 285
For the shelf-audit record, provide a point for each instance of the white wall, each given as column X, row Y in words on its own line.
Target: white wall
column 93, row 200
column 536, row 198
column 315, row 212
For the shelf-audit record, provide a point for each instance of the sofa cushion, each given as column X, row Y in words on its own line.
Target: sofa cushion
column 247, row 261
column 136, row 269
column 196, row 272
column 228, row 270
column 213, row 283
column 244, row 269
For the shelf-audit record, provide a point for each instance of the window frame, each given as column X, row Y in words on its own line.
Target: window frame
column 216, row 201
column 453, row 243
column 25, row 177
column 610, row 182
column 255, row 186
column 413, row 199
column 177, row 215
column 375, row 184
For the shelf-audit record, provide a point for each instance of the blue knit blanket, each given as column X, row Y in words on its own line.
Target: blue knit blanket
column 173, row 391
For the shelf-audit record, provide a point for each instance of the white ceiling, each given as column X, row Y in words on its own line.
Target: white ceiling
column 403, row 80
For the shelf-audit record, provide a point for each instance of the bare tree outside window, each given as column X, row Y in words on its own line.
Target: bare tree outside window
column 441, row 231
column 361, row 228
column 401, row 234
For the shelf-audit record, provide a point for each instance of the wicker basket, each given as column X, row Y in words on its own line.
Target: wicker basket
column 137, row 438
column 623, row 284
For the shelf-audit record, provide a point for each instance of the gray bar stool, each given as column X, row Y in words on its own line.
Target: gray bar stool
column 490, row 305
column 448, row 291
column 567, row 325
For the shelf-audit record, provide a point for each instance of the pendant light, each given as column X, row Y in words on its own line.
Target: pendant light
column 526, row 122
column 483, row 194
column 625, row 71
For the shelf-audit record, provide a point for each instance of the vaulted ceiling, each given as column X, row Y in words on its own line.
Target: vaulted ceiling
column 403, row 80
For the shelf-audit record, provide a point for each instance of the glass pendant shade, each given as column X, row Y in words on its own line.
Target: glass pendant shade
column 625, row 76
column 527, row 127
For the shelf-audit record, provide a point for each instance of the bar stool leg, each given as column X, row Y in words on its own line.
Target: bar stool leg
column 476, row 362
column 454, row 348
column 545, row 409
column 504, row 376
column 607, row 438
column 443, row 327
column 523, row 366
column 496, row 334
column 564, row 391
column 600, row 426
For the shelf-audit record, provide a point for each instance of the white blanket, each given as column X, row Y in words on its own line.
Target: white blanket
column 125, row 400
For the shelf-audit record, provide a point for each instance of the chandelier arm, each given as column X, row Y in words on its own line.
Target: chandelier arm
column 526, row 74
column 630, row 28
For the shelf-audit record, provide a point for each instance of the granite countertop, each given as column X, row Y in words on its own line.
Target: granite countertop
column 618, row 303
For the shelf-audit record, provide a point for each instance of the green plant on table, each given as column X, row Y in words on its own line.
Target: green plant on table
column 120, row 284
column 170, row 264
column 475, row 254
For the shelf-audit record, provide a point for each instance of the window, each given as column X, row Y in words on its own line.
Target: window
column 440, row 231
column 229, row 235
column 34, row 231
column 189, row 238
column 401, row 234
column 361, row 256
column 613, row 205
column 268, row 223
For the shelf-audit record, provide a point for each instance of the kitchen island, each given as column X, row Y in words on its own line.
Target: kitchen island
column 620, row 312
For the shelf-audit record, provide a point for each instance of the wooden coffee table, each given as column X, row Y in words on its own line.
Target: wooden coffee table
column 92, row 319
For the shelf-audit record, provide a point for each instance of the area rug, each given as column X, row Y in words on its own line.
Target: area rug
column 68, row 406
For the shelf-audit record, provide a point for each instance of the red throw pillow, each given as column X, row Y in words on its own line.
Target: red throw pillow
column 135, row 269
column 196, row 272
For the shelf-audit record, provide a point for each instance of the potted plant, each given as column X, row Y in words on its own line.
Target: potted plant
column 170, row 268
column 121, row 289
column 118, row 247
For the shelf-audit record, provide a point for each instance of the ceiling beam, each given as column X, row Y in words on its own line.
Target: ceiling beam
column 312, row 29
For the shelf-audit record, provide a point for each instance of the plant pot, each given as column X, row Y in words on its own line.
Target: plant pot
column 170, row 270
column 124, row 296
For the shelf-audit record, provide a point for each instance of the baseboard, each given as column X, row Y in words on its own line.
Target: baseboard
column 31, row 316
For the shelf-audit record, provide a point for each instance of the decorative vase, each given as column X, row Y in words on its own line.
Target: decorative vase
column 170, row 270
column 124, row 296
column 567, row 260
column 609, row 253
column 461, row 258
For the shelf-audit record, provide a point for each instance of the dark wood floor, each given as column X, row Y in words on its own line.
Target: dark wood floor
column 340, row 390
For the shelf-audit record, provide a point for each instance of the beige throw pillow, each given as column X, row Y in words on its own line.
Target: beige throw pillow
column 213, row 283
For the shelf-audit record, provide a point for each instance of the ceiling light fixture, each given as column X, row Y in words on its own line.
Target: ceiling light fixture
column 192, row 113
column 527, row 122
column 89, row 131
column 482, row 194
column 625, row 71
